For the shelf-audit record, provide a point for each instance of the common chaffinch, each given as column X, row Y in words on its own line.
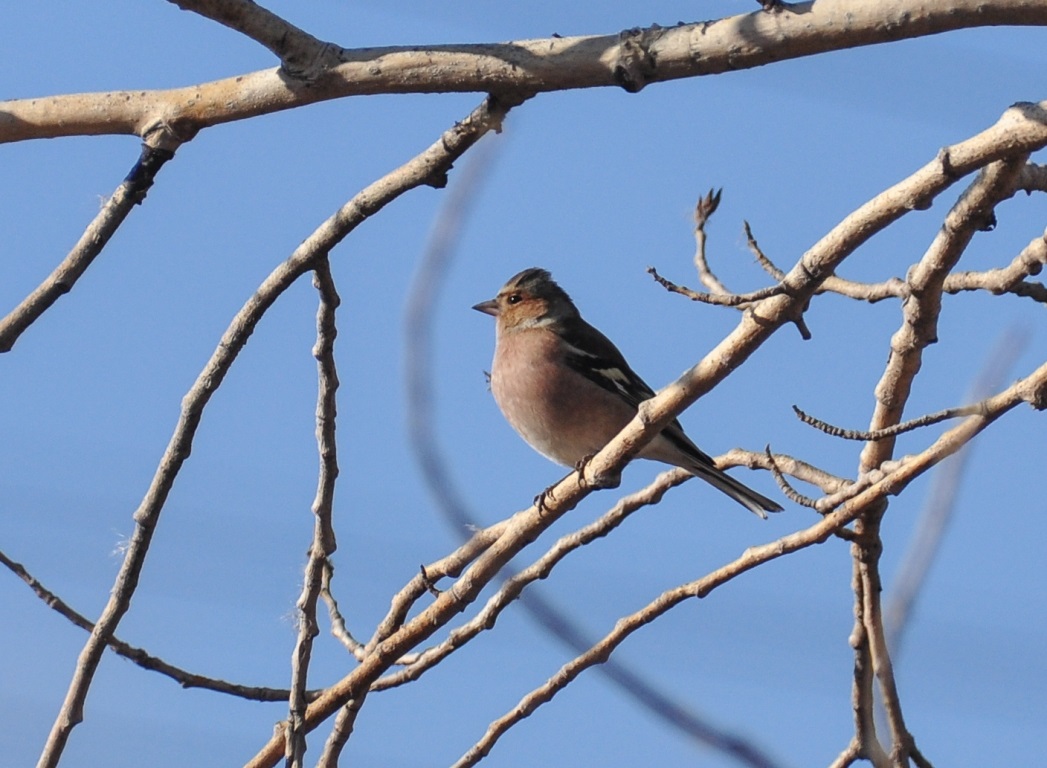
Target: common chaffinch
column 568, row 390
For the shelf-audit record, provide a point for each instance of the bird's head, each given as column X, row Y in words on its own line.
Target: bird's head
column 531, row 299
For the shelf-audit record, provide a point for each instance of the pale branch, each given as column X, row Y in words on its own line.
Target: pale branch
column 340, row 733
column 324, row 543
column 302, row 56
column 827, row 482
column 761, row 258
column 718, row 293
column 130, row 193
column 514, row 586
column 790, row 493
column 429, row 167
column 849, row 755
column 334, row 615
column 629, row 60
column 973, row 212
column 450, row 565
column 1031, row 389
column 142, row 657
column 867, row 548
column 940, row 503
column 925, row 280
column 541, row 569
column 1010, row 279
column 1022, row 128
column 1033, row 178
column 865, row 742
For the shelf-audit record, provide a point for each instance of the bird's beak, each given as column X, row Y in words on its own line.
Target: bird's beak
column 489, row 307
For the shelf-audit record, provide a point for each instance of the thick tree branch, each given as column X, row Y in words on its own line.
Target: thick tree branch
column 629, row 60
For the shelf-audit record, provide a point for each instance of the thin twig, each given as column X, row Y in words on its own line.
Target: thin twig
column 791, row 493
column 827, row 482
column 705, row 208
column 429, row 167
column 334, row 615
column 142, row 657
column 324, row 543
column 768, row 266
column 450, row 565
column 130, row 193
column 719, row 299
column 891, row 431
column 343, row 728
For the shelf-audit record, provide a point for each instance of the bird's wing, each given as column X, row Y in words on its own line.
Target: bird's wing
column 594, row 356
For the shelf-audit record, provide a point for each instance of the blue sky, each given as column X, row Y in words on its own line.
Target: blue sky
column 594, row 185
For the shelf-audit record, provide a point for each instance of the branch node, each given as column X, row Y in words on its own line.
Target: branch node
column 635, row 64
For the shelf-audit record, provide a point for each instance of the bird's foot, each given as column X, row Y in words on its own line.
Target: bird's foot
column 539, row 500
column 598, row 481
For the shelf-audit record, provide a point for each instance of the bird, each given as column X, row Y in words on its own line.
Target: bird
column 568, row 390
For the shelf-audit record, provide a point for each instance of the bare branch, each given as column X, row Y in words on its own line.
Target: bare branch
column 130, row 193
column 926, row 280
column 514, row 586
column 429, row 167
column 768, row 266
column 788, row 465
column 334, row 615
column 630, row 61
column 972, row 212
column 941, row 499
column 791, row 493
column 340, row 733
column 324, row 544
column 301, row 55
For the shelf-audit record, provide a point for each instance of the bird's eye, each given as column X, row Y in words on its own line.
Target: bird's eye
column 514, row 298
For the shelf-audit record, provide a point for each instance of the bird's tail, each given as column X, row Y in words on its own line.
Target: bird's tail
column 743, row 494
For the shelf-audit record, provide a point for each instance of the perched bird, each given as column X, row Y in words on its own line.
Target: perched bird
column 568, row 390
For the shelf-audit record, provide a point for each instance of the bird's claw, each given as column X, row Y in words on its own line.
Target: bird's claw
column 598, row 481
